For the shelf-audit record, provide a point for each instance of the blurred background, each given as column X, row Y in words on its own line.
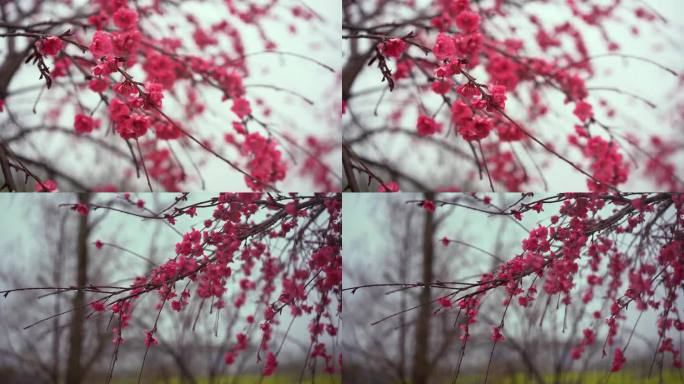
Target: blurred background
column 389, row 241
column 382, row 124
column 272, row 85
column 45, row 245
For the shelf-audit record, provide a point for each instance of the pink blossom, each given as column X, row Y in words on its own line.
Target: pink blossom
column 445, row 302
column 441, row 87
column 444, row 47
column 46, row 186
column 81, row 208
column 241, row 107
column 125, row 18
column 391, row 186
column 106, row 66
column 101, row 44
column 118, row 110
column 498, row 96
column 497, row 335
column 476, row 129
column 461, row 112
column 428, row 205
column 468, row 21
column 583, row 111
column 133, row 126
column 154, row 95
column 149, row 339
column 468, row 90
column 50, row 46
column 393, row 47
column 98, row 84
column 126, row 42
column 265, row 161
column 85, row 123
column 608, row 166
column 618, row 360
column 229, row 358
column 427, row 126
column 271, row 364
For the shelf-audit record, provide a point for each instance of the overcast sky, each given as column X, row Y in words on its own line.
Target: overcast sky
column 371, row 256
column 662, row 43
column 25, row 256
column 317, row 39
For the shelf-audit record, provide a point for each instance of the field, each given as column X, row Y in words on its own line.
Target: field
column 250, row 379
column 593, row 377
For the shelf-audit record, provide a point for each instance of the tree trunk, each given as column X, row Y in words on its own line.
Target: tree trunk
column 421, row 369
column 57, row 281
column 404, row 276
column 74, row 369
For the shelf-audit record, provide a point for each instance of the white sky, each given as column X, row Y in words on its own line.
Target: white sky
column 23, row 251
column 291, row 116
column 660, row 43
column 370, row 254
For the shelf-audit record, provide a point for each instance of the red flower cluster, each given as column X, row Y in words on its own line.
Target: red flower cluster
column 497, row 335
column 468, row 21
column 265, row 162
column 554, row 254
column 231, row 246
column 461, row 113
column 50, row 46
column 101, row 44
column 391, row 186
column 271, row 364
column 241, row 108
column 428, row 205
column 476, row 69
column 475, row 129
column 116, row 52
column 589, row 338
column 445, row 302
column 81, row 208
column 427, row 126
column 445, row 47
column 608, row 166
column 583, row 111
column 618, row 360
column 46, row 186
column 85, row 123
column 393, row 47
column 125, row 18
